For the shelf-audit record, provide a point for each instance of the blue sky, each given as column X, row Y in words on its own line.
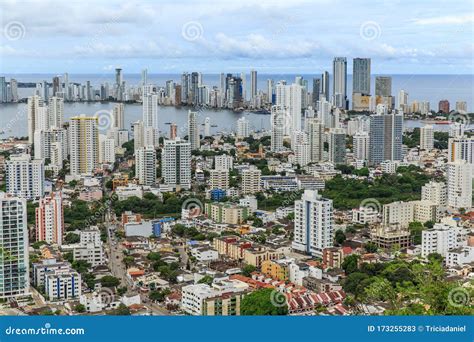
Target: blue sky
column 291, row 36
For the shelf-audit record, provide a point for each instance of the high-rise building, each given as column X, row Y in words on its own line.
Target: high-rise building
column 224, row 162
column 176, row 163
column 251, row 180
column 289, row 97
column 385, row 138
column 207, row 127
column 461, row 148
column 219, row 179
column 50, row 219
column 150, row 110
column 461, row 106
column 361, row 76
column 316, row 91
column 325, row 85
column 339, row 87
column 14, row 263
column 106, row 149
column 278, row 119
column 361, row 84
column 118, row 116
column 55, row 112
column 24, row 177
column 193, row 130
column 313, row 229
column 360, row 146
column 242, row 128
column 337, row 146
column 34, row 103
column 315, row 131
column 145, row 165
column 173, row 131
column 383, row 91
column 459, row 178
column 84, row 144
column 403, row 101
column 435, row 192
column 427, row 137
column 253, row 84
column 443, row 106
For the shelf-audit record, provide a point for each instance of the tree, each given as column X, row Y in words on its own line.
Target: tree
column 248, row 269
column 350, row 264
column 370, row 247
column 415, row 231
column 72, row 238
column 339, row 237
column 109, row 281
column 80, row 308
column 122, row 310
column 264, row 302
column 207, row 279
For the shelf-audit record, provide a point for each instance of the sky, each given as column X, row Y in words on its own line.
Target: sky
column 291, row 36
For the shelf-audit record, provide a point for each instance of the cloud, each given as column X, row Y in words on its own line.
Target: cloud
column 446, row 20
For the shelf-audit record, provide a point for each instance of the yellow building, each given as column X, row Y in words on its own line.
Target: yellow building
column 226, row 213
column 275, row 269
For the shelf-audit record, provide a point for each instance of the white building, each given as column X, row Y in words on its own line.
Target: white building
column 14, row 264
column 62, row 285
column 223, row 162
column 24, row 177
column 118, row 116
column 90, row 247
column 145, row 165
column 176, row 163
column 435, row 192
column 193, row 130
column 459, row 177
column 460, row 256
column 279, row 119
column 360, row 146
column 314, row 229
column 442, row 238
column 106, row 150
column 242, row 128
column 427, row 137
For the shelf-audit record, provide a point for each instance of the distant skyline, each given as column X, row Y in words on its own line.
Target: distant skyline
column 273, row 37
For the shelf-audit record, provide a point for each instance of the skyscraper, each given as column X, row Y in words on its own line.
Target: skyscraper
column 313, row 224
column 459, row 178
column 242, row 128
column 150, row 110
column 84, row 144
column 145, row 165
column 207, row 127
column 361, row 84
column 316, row 91
column 361, row 76
column 50, row 219
column 315, row 131
column 14, row 261
column 427, row 137
column 34, row 103
column 360, row 146
column 55, row 112
column 176, row 163
column 325, row 85
column 253, row 84
column 385, row 141
column 118, row 116
column 278, row 119
column 337, row 146
column 24, row 177
column 339, row 68
column 193, row 130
